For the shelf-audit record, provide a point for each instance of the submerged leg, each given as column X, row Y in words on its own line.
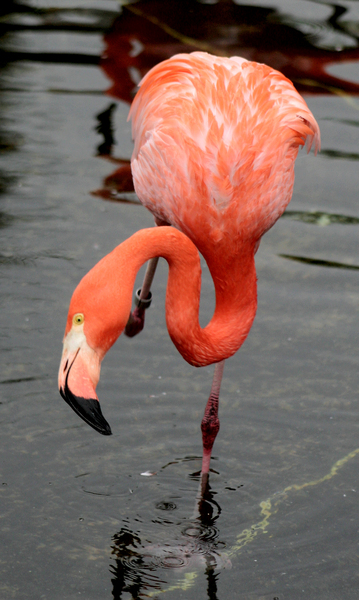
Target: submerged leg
column 210, row 421
column 136, row 320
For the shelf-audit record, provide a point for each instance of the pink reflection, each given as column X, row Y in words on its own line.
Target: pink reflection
column 150, row 31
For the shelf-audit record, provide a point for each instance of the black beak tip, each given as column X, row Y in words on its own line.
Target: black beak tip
column 88, row 409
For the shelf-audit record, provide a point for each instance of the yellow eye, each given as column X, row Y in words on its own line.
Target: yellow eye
column 78, row 319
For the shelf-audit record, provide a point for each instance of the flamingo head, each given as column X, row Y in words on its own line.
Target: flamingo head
column 95, row 320
column 79, row 374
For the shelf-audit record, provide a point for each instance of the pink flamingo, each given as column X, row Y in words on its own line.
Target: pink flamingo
column 215, row 144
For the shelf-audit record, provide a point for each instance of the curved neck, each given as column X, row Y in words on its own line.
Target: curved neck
column 234, row 281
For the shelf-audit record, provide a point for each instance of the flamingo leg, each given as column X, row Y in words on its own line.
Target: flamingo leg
column 136, row 319
column 210, row 421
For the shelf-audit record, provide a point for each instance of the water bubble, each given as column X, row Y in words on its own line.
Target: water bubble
column 166, row 505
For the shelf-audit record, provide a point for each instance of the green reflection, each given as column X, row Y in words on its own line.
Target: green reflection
column 320, row 218
column 268, row 509
column 340, row 154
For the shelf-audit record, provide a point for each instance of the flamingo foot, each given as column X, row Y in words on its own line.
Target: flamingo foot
column 135, row 322
column 143, row 298
column 136, row 319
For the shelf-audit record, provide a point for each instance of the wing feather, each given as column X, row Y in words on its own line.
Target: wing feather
column 215, row 144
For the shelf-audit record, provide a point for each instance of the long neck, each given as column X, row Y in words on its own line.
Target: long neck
column 235, row 287
column 235, row 284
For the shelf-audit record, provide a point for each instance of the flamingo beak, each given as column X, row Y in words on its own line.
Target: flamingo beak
column 78, row 376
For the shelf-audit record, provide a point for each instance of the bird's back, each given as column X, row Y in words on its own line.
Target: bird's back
column 215, row 144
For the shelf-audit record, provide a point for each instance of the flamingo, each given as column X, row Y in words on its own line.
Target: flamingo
column 215, row 142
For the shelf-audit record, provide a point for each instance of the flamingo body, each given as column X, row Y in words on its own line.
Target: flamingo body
column 215, row 144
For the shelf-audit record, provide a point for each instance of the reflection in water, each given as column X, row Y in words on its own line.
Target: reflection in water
column 270, row 506
column 319, row 262
column 67, row 19
column 340, row 154
column 19, row 380
column 105, row 128
column 144, row 570
column 140, row 568
column 150, row 31
column 319, row 218
column 119, row 184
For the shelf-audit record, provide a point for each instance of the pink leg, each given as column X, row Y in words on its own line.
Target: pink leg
column 210, row 421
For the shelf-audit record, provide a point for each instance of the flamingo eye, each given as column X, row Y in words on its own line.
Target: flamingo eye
column 78, row 319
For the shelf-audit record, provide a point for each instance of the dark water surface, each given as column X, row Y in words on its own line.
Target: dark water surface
column 78, row 517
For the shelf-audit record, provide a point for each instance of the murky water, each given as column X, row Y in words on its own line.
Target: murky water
column 87, row 516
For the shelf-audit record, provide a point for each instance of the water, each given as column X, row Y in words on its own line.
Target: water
column 78, row 517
